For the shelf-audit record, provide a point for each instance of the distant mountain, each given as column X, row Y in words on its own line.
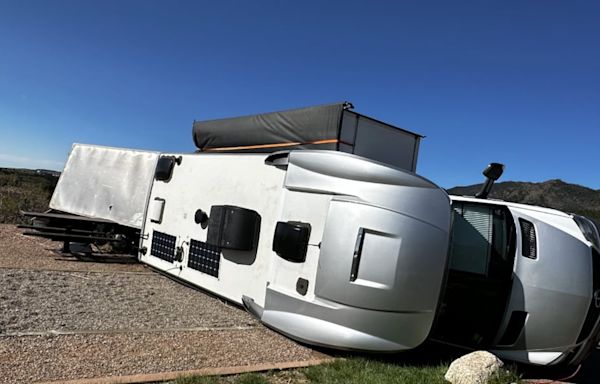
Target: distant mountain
column 555, row 194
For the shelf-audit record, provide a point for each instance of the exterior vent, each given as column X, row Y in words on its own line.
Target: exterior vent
column 528, row 239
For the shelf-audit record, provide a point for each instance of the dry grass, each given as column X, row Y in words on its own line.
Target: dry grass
column 23, row 190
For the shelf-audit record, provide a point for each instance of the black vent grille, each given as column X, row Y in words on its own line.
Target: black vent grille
column 204, row 257
column 528, row 239
column 163, row 246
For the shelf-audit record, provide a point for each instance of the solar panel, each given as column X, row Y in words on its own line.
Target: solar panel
column 163, row 246
column 204, row 257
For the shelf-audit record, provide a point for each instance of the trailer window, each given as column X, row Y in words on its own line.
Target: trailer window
column 481, row 239
column 480, row 275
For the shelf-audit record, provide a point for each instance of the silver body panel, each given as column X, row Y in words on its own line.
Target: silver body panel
column 331, row 324
column 401, row 263
column 555, row 289
column 391, row 304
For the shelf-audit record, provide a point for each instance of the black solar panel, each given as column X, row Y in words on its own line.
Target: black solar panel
column 163, row 246
column 204, row 257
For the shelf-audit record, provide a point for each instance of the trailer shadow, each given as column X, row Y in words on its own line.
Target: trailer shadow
column 428, row 354
column 94, row 257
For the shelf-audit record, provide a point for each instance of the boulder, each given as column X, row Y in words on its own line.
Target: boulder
column 474, row 368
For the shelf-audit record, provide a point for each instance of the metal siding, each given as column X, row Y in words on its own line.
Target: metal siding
column 106, row 183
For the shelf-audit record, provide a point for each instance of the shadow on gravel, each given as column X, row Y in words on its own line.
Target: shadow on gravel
column 102, row 258
column 427, row 355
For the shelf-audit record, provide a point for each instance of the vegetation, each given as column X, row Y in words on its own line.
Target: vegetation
column 246, row 378
column 23, row 189
column 348, row 371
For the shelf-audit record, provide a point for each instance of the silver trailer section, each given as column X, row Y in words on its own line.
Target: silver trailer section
column 523, row 282
column 561, row 275
column 106, row 183
column 375, row 245
column 557, row 289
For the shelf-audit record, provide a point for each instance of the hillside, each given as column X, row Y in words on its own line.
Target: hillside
column 552, row 194
column 24, row 189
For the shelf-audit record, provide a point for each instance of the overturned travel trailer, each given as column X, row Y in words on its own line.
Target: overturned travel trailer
column 315, row 220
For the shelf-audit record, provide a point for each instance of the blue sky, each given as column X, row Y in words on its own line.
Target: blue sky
column 516, row 82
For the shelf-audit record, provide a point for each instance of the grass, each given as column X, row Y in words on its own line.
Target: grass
column 246, row 378
column 349, row 371
column 362, row 370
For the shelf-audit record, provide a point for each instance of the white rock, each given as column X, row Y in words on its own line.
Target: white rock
column 474, row 368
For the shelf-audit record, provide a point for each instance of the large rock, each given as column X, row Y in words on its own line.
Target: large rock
column 474, row 368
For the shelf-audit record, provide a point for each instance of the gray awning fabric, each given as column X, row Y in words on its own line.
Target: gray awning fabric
column 304, row 128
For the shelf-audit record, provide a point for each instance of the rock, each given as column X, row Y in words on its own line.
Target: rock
column 474, row 368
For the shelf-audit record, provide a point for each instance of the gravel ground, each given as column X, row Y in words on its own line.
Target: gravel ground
column 33, row 301
column 84, row 356
column 36, row 253
column 64, row 318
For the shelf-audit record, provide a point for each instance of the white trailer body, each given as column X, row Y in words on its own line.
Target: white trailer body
column 375, row 258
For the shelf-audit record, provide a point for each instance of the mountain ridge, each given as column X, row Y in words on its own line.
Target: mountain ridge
column 554, row 193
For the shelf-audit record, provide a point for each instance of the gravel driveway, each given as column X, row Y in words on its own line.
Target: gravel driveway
column 65, row 318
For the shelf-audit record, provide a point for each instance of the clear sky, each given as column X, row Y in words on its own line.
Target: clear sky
column 516, row 82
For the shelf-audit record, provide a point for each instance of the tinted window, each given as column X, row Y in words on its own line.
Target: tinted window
column 481, row 239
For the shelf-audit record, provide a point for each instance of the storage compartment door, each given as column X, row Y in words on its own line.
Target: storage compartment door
column 378, row 259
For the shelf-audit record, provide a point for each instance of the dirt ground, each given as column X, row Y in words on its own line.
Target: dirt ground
column 67, row 317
